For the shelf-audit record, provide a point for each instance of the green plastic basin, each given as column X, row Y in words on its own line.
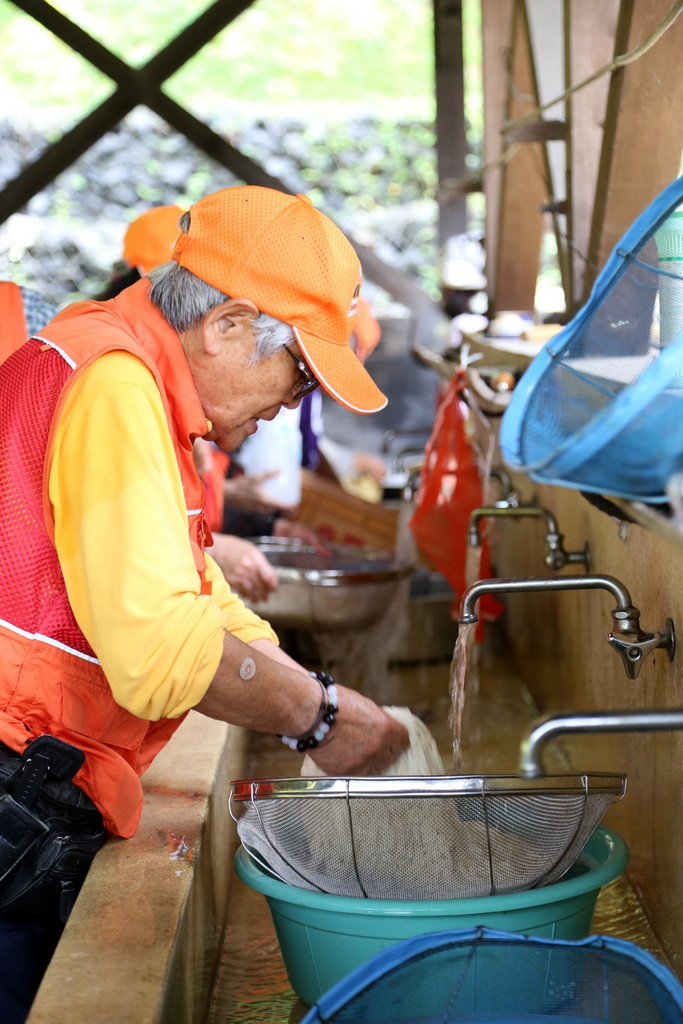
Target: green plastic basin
column 322, row 937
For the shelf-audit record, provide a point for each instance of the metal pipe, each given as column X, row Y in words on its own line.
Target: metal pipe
column 528, row 510
column 509, row 497
column 399, row 457
column 546, row 729
column 630, row 642
column 412, row 483
column 501, row 474
column 528, row 584
column 555, row 556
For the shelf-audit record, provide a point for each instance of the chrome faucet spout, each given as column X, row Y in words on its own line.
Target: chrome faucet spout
column 523, row 511
column 509, row 496
column 400, row 457
column 555, row 556
column 630, row 642
column 551, row 726
column 528, row 584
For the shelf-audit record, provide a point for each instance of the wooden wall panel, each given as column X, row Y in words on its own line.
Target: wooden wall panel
column 496, row 19
column 643, row 129
column 546, row 28
column 559, row 645
column 451, row 143
column 590, row 45
column 523, row 186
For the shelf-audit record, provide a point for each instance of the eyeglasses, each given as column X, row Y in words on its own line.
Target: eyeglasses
column 309, row 382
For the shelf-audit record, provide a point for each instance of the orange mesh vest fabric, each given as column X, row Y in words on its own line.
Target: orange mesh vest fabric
column 51, row 679
column 32, row 380
column 213, row 481
column 12, row 320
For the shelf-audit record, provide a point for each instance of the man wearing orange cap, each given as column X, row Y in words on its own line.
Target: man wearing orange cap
column 147, row 243
column 107, row 640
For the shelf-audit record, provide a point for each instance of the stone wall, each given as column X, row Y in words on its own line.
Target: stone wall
column 375, row 178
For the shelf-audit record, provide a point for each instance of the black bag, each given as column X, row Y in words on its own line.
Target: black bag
column 49, row 833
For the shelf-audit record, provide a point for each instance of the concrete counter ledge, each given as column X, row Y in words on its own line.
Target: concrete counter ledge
column 143, row 941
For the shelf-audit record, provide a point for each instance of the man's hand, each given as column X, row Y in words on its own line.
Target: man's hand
column 364, row 739
column 259, row 686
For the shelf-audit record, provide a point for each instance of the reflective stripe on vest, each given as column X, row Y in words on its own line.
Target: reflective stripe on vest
column 52, row 681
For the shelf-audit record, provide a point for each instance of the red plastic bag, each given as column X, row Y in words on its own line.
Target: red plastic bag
column 450, row 489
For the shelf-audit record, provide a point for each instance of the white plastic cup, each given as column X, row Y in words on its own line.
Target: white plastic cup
column 674, row 492
column 669, row 242
column 276, row 445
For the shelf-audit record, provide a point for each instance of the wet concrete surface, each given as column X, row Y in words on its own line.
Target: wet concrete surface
column 252, row 985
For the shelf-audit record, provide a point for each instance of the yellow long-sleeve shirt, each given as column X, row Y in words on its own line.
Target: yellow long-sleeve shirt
column 122, row 541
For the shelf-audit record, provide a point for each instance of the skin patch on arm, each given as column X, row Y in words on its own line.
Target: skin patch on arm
column 248, row 669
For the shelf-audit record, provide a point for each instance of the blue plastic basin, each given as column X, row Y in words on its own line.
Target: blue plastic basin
column 322, row 937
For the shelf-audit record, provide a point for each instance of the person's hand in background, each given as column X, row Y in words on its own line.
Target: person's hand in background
column 202, row 454
column 297, row 531
column 246, row 493
column 367, row 464
column 246, row 569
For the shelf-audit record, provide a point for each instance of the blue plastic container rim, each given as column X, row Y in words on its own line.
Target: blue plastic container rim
column 610, row 865
column 576, row 449
column 382, row 963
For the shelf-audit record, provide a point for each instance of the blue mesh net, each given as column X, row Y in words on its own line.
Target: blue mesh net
column 482, row 976
column 601, row 407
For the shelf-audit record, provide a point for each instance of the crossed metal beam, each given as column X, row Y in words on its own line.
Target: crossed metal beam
column 142, row 86
column 135, row 86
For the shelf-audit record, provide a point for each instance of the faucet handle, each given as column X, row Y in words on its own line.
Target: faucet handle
column 634, row 651
column 556, row 557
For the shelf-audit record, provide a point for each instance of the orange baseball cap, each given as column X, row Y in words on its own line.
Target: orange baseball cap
column 149, row 239
column 294, row 264
column 367, row 330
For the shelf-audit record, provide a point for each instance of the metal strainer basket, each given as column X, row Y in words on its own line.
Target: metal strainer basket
column 421, row 837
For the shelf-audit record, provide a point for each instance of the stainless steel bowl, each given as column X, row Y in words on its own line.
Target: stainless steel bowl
column 348, row 589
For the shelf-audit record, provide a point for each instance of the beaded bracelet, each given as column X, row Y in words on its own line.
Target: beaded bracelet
column 329, row 708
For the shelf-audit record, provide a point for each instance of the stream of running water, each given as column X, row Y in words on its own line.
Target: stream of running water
column 464, row 677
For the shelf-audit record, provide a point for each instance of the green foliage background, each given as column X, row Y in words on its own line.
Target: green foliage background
column 354, row 77
column 368, row 52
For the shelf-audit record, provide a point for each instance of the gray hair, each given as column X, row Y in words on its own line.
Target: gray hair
column 184, row 299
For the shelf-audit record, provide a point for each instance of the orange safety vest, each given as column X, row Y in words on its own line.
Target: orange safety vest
column 215, row 498
column 13, row 330
column 50, row 679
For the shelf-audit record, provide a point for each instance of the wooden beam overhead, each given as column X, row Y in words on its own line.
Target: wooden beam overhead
column 643, row 135
column 134, row 87
column 451, row 141
column 590, row 34
column 546, row 31
column 143, row 86
column 496, row 28
column 524, row 186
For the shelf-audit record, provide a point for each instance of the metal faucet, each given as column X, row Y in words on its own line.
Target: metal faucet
column 390, row 436
column 412, row 483
column 399, row 457
column 630, row 642
column 509, row 496
column 555, row 556
column 547, row 728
